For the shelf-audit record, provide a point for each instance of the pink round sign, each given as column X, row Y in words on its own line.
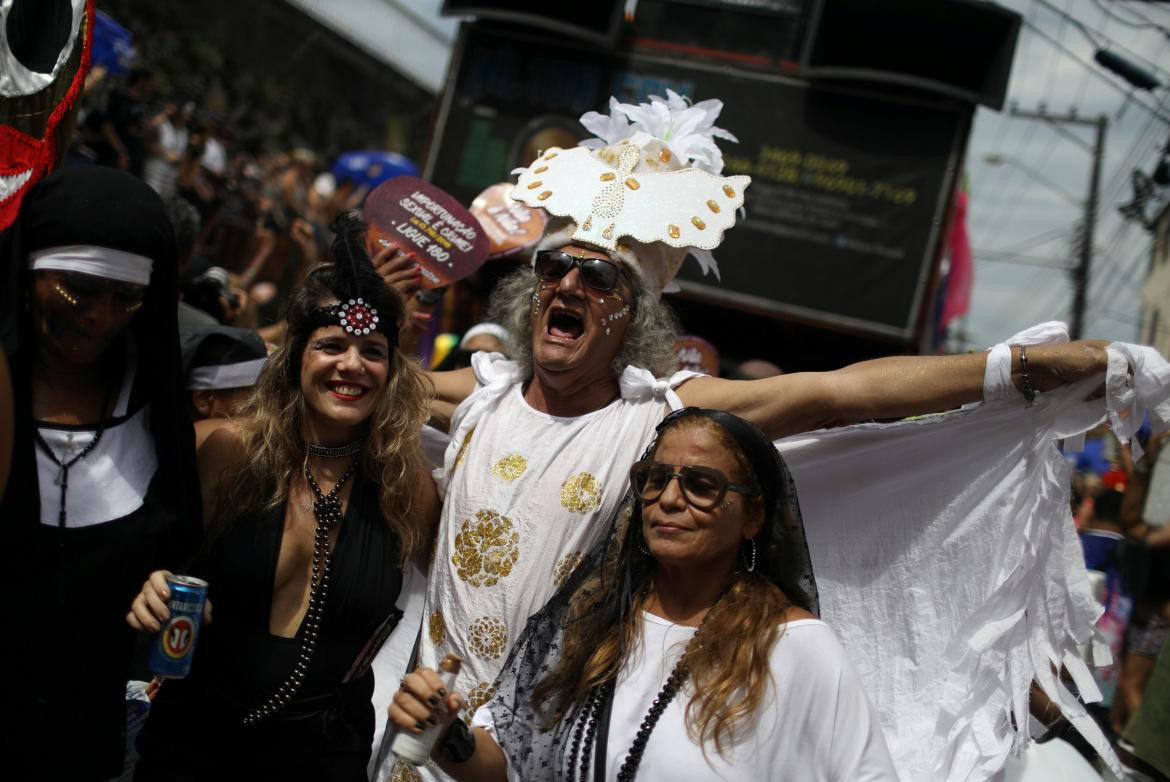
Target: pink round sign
column 510, row 225
column 429, row 225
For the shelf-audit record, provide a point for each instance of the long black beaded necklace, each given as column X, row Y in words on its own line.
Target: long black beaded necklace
column 327, row 510
column 63, row 464
column 596, row 702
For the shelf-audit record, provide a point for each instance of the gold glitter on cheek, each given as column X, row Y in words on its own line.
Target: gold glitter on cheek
column 581, row 493
column 565, row 568
column 510, row 467
column 485, row 549
column 437, row 629
column 489, row 637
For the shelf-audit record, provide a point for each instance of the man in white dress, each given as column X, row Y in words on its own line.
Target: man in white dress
column 540, row 444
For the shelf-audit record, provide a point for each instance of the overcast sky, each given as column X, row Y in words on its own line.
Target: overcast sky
column 1013, row 211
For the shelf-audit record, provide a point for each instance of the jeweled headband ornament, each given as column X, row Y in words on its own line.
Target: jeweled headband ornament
column 652, row 175
column 357, row 317
column 354, row 279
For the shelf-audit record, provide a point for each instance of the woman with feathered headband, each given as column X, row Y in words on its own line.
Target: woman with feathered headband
column 541, row 442
column 316, row 498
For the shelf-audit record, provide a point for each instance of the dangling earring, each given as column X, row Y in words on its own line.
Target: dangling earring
column 134, row 307
column 752, row 566
column 642, row 544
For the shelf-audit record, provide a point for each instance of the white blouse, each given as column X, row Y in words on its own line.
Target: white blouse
column 815, row 723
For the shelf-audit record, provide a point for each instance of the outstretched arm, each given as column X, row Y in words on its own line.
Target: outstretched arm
column 884, row 388
column 451, row 388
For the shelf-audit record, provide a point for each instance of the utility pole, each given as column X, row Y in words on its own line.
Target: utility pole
column 1080, row 274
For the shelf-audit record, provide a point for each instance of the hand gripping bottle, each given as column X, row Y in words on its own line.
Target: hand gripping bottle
column 415, row 748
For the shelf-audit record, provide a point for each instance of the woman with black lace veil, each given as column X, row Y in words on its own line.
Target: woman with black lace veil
column 685, row 646
column 315, row 498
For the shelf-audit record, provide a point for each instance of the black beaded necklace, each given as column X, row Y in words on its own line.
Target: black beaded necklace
column 598, row 699
column 63, row 465
column 327, row 510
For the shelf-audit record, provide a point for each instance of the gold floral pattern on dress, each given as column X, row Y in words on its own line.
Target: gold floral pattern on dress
column 486, row 548
column 404, row 772
column 510, row 467
column 476, row 697
column 581, row 493
column 565, row 567
column 459, row 457
column 437, row 628
column 489, row 637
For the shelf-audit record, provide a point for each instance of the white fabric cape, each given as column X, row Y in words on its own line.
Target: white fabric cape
column 948, row 564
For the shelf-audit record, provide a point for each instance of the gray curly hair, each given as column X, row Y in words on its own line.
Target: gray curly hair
column 649, row 340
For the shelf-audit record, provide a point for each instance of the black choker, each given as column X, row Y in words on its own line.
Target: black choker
column 333, row 452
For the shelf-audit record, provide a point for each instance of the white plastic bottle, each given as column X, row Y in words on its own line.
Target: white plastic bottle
column 415, row 748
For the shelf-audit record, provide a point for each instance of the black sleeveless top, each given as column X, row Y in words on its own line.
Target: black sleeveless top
column 325, row 732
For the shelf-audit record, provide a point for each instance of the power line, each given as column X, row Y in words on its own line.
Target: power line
column 1147, row 23
column 1092, row 38
column 1033, row 242
column 1093, row 70
column 1019, row 260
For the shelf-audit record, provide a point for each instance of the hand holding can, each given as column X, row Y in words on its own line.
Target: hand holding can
column 174, row 607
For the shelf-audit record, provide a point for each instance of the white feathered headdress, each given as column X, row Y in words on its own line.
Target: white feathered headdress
column 651, row 177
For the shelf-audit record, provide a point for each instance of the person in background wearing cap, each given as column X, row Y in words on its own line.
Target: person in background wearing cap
column 103, row 487
column 221, row 365
column 482, row 337
column 540, row 441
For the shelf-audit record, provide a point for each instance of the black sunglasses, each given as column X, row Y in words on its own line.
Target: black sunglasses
column 596, row 273
column 703, row 487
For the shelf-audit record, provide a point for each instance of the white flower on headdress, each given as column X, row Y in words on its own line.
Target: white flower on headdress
column 609, row 129
column 689, row 130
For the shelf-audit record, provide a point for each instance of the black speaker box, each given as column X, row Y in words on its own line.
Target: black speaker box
column 961, row 49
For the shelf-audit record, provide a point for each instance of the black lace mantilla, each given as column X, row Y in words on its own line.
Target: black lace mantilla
column 605, row 580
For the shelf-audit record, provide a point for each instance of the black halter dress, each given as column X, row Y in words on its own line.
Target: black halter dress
column 195, row 728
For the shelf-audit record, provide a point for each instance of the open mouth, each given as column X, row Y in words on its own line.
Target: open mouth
column 565, row 324
column 347, row 392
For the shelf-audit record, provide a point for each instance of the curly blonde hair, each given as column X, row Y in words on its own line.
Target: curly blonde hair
column 270, row 424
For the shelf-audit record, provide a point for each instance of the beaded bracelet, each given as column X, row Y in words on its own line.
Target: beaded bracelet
column 1025, row 381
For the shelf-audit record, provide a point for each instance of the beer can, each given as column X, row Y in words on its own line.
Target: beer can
column 174, row 645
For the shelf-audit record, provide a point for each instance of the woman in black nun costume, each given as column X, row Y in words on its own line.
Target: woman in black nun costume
column 103, row 487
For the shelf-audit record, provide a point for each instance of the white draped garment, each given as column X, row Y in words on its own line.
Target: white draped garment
column 948, row 565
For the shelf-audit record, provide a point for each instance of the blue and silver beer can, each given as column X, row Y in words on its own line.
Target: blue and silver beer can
column 174, row 645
